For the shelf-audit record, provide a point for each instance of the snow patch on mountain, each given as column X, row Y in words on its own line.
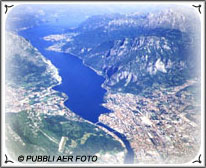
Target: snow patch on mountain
column 160, row 66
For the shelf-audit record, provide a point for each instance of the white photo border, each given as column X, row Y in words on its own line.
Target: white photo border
column 202, row 148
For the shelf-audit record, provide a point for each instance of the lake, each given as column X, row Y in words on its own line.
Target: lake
column 80, row 83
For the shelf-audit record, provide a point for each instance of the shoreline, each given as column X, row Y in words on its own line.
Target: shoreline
column 102, row 127
column 115, row 136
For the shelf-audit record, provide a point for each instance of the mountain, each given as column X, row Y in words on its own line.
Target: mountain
column 150, row 60
column 151, row 65
column 24, row 16
column 136, row 51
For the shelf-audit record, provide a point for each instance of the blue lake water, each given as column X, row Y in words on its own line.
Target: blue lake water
column 80, row 83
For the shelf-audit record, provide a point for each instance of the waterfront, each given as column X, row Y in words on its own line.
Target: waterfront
column 81, row 84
